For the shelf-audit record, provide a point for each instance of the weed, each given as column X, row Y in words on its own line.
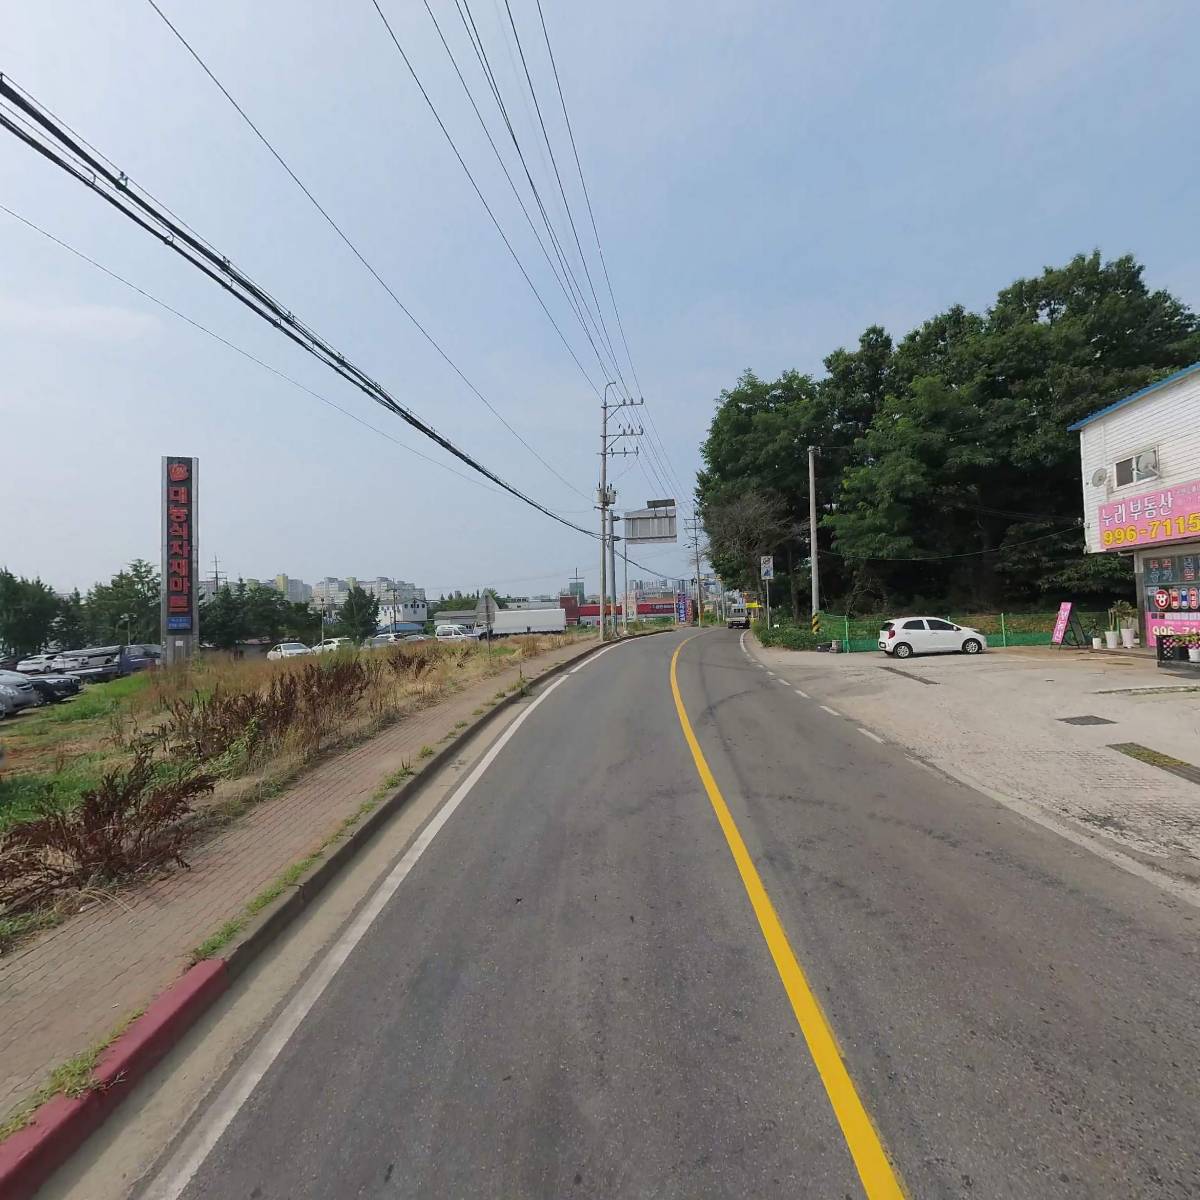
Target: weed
column 394, row 780
column 478, row 711
column 223, row 936
column 460, row 724
column 73, row 1078
column 132, row 822
column 426, row 752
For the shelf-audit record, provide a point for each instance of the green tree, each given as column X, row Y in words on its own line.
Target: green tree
column 358, row 617
column 27, row 611
column 71, row 622
column 127, row 604
column 223, row 617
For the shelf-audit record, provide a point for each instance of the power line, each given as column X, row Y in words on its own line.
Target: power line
column 126, row 199
column 562, row 272
column 482, row 199
column 239, row 350
column 662, row 450
column 562, row 192
column 355, row 250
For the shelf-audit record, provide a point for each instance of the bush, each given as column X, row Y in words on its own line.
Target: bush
column 790, row 637
column 132, row 822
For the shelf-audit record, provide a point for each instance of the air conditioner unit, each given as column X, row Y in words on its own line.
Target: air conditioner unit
column 1099, row 477
column 1145, row 465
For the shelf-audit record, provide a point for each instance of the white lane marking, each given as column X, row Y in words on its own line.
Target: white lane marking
column 592, row 658
column 873, row 736
column 833, row 712
column 784, row 682
column 187, row 1160
column 799, row 692
column 742, row 639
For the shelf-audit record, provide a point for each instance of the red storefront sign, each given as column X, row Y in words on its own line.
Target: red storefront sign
column 179, row 527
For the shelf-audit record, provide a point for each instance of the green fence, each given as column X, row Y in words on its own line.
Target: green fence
column 858, row 634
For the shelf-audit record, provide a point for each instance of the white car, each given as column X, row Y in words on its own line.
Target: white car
column 331, row 644
column 36, row 664
column 382, row 639
column 905, row 636
column 288, row 650
column 455, row 633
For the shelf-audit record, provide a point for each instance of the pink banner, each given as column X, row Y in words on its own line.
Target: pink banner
column 1153, row 518
column 1060, row 626
column 1158, row 624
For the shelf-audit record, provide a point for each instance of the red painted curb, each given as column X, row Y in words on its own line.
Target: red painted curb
column 61, row 1125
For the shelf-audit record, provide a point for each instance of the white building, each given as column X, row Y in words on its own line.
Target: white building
column 403, row 612
column 1141, row 495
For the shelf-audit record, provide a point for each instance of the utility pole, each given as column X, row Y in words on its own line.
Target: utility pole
column 695, row 531
column 606, row 496
column 814, row 570
column 625, row 595
column 612, row 564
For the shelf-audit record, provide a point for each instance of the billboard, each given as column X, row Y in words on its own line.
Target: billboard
column 179, row 556
column 654, row 523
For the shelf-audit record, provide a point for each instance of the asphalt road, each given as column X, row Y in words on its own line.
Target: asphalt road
column 570, row 994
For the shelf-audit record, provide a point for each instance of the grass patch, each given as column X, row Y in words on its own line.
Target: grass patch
column 476, row 712
column 460, row 724
column 426, row 752
column 74, row 1078
column 394, row 780
column 15, row 929
column 222, row 937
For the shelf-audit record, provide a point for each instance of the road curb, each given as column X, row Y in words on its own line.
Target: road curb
column 61, row 1125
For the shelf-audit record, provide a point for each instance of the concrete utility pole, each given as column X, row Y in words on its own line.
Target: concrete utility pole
column 625, row 596
column 814, row 571
column 605, row 497
column 612, row 564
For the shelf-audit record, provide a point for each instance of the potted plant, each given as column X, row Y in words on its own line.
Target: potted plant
column 1123, row 617
column 1193, row 645
column 1112, row 635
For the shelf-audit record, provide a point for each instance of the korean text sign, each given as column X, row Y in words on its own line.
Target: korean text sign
column 1060, row 626
column 1163, row 515
column 179, row 529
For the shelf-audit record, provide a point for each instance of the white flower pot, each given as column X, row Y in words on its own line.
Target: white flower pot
column 1127, row 636
column 1194, row 654
column 1112, row 638
column 1097, row 643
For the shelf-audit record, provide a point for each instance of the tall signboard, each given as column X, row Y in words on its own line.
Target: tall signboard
column 180, row 617
column 654, row 523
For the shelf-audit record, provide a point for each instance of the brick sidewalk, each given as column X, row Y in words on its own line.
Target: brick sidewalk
column 66, row 990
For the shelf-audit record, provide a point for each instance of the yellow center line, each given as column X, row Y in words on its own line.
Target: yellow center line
column 879, row 1178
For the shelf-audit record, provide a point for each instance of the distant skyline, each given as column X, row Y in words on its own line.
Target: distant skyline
column 768, row 179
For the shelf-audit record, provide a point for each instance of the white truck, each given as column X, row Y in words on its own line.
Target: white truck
column 526, row 620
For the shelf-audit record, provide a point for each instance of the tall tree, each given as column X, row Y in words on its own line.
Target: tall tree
column 127, row 605
column 358, row 617
column 27, row 611
column 71, row 622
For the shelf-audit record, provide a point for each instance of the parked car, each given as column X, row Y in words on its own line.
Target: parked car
column 739, row 617
column 904, row 636
column 415, row 637
column 382, row 639
column 288, row 650
column 455, row 633
column 53, row 688
column 36, row 664
column 9, row 702
column 330, row 645
column 102, row 663
column 23, row 695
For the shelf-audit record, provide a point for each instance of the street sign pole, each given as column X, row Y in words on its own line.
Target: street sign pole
column 766, row 571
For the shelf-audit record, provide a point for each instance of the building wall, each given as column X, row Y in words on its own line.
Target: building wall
column 1168, row 420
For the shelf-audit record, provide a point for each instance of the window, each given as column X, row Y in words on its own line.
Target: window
column 1139, row 468
column 944, row 626
column 913, row 625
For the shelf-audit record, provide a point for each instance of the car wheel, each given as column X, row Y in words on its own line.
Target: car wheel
column 902, row 650
column 971, row 646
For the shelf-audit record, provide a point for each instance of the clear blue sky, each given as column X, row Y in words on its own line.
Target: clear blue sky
column 769, row 179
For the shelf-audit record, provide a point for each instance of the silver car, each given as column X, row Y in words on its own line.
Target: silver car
column 23, row 695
